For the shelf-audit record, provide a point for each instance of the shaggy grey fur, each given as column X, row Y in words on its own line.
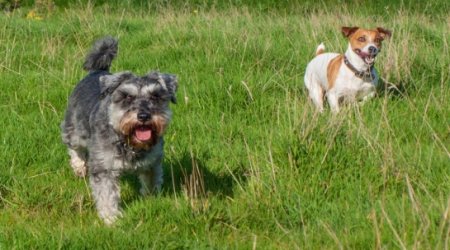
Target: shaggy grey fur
column 115, row 123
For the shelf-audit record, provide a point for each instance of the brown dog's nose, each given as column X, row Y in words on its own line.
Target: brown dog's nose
column 373, row 50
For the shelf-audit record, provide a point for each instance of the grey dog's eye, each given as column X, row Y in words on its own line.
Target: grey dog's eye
column 155, row 97
column 128, row 98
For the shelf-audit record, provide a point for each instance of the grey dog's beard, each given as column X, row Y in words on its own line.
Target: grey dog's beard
column 142, row 135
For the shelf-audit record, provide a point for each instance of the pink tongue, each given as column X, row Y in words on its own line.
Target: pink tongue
column 143, row 133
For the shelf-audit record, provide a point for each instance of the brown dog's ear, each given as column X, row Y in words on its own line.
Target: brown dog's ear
column 348, row 31
column 384, row 33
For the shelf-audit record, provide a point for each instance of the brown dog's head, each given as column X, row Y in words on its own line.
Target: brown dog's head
column 366, row 43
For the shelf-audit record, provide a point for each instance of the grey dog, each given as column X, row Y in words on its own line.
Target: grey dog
column 115, row 123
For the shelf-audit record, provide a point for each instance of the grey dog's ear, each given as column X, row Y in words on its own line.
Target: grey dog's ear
column 109, row 83
column 171, row 83
column 167, row 81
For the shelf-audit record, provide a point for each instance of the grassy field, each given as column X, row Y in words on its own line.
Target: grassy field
column 249, row 164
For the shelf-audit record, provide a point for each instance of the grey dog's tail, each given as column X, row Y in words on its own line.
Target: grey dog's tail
column 102, row 54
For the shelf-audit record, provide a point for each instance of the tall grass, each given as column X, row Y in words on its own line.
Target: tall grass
column 249, row 163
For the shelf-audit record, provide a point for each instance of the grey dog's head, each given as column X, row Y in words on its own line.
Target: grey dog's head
column 139, row 106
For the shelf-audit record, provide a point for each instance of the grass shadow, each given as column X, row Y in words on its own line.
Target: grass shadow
column 189, row 174
column 393, row 90
column 186, row 174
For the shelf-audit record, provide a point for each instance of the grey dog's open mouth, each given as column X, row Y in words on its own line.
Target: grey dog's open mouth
column 143, row 133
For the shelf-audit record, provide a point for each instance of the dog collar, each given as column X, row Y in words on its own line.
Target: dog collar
column 126, row 151
column 360, row 74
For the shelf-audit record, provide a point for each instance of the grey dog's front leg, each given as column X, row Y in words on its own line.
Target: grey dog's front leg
column 151, row 180
column 106, row 192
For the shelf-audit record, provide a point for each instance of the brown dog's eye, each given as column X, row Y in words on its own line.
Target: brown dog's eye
column 362, row 39
column 378, row 40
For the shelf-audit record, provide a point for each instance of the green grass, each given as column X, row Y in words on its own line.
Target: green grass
column 249, row 164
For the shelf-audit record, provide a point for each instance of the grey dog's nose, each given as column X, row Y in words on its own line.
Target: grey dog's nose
column 373, row 50
column 143, row 117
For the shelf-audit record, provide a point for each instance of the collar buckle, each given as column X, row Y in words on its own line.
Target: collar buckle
column 360, row 74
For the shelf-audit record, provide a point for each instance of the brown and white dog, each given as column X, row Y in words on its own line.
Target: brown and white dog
column 348, row 77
